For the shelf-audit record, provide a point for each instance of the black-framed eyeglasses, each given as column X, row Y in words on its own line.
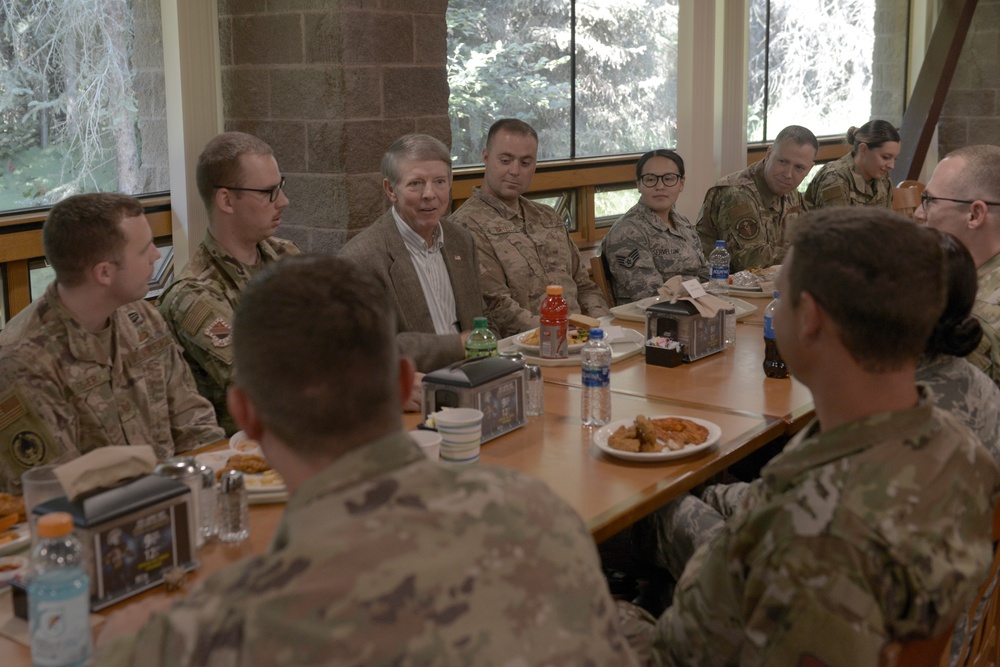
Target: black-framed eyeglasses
column 272, row 193
column 926, row 199
column 650, row 180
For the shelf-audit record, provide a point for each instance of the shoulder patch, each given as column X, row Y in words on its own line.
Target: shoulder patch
column 27, row 448
column 747, row 228
column 740, row 210
column 195, row 317
column 837, row 191
column 220, row 333
column 11, row 409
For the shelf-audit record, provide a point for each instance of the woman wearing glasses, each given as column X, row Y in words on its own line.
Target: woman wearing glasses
column 651, row 242
column 860, row 178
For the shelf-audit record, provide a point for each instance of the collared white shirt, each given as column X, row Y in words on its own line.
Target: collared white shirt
column 433, row 274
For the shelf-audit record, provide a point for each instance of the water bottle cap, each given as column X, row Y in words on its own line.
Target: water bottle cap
column 554, row 290
column 480, row 323
column 720, row 243
column 55, row 524
column 596, row 334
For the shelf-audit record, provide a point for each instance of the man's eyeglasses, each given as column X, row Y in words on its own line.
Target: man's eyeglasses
column 926, row 199
column 272, row 193
column 650, row 180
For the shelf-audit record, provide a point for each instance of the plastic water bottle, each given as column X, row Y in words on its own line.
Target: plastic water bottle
column 553, row 313
column 596, row 359
column 718, row 262
column 481, row 342
column 774, row 365
column 58, row 596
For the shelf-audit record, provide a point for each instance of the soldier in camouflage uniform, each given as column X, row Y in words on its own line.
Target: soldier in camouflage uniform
column 652, row 242
column 523, row 246
column 963, row 199
column 753, row 210
column 382, row 557
column 873, row 525
column 239, row 242
column 90, row 363
column 862, row 177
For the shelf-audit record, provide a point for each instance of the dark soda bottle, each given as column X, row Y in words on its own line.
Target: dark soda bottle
column 774, row 365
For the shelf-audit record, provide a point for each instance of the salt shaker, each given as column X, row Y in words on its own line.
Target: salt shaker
column 185, row 469
column 534, row 390
column 207, row 502
column 234, row 511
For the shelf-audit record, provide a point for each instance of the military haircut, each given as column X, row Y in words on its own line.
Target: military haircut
column 981, row 174
column 512, row 125
column 219, row 162
column 417, row 147
column 877, row 274
column 84, row 230
column 957, row 331
column 873, row 134
column 314, row 349
column 659, row 152
column 799, row 135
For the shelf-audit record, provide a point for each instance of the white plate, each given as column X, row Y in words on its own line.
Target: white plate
column 603, row 433
column 519, row 341
column 22, row 540
column 257, row 485
column 636, row 311
column 244, row 445
column 21, row 563
column 633, row 343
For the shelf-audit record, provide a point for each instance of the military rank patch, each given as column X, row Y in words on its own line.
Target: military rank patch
column 27, row 448
column 629, row 260
column 747, row 229
column 220, row 333
column 134, row 317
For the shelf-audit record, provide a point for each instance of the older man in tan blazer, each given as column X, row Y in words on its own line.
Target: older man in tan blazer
column 429, row 265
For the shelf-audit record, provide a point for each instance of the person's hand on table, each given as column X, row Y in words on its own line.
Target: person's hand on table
column 130, row 620
column 416, row 394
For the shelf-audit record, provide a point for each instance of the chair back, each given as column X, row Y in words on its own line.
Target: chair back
column 601, row 277
column 906, row 197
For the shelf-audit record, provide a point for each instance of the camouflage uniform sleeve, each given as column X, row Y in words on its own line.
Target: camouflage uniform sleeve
column 502, row 309
column 986, row 356
column 827, row 189
column 36, row 426
column 192, row 417
column 706, row 225
column 588, row 294
column 634, row 274
column 201, row 321
column 737, row 218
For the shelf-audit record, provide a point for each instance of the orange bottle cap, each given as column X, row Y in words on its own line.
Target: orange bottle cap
column 554, row 290
column 55, row 524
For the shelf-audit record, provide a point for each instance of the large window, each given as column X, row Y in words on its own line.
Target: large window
column 592, row 77
column 825, row 65
column 81, row 100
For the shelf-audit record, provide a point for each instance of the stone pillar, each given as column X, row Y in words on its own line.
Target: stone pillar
column 330, row 85
column 971, row 113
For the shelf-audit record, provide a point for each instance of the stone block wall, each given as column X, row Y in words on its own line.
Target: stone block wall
column 971, row 112
column 330, row 84
column 889, row 61
column 150, row 87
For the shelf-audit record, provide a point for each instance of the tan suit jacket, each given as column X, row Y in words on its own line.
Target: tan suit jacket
column 381, row 247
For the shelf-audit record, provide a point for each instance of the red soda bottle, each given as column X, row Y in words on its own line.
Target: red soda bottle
column 552, row 337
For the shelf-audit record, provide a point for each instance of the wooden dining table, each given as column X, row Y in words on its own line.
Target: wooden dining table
column 609, row 493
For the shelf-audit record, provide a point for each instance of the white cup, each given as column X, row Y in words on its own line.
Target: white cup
column 461, row 431
column 429, row 441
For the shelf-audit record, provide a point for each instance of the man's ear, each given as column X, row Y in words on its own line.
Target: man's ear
column 103, row 272
column 811, row 317
column 243, row 412
column 389, row 192
column 223, row 200
column 978, row 213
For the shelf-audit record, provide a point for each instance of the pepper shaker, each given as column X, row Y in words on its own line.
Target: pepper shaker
column 234, row 511
column 534, row 390
column 207, row 503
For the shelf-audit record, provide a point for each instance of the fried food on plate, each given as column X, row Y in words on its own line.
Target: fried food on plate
column 11, row 504
column 653, row 435
column 248, row 464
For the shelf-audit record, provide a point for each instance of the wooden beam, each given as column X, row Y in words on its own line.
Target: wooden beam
column 933, row 81
column 18, row 287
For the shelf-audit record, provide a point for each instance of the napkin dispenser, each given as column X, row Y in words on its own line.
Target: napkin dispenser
column 131, row 535
column 697, row 335
column 494, row 385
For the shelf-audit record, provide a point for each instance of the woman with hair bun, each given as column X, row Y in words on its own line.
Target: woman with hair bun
column 959, row 387
column 860, row 178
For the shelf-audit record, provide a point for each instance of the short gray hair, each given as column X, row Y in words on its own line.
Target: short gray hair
column 419, row 147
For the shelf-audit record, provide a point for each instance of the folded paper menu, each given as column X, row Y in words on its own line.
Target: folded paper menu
column 707, row 304
column 104, row 468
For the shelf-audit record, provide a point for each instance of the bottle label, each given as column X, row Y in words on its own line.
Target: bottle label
column 597, row 376
column 768, row 327
column 60, row 631
column 720, row 273
column 552, row 341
